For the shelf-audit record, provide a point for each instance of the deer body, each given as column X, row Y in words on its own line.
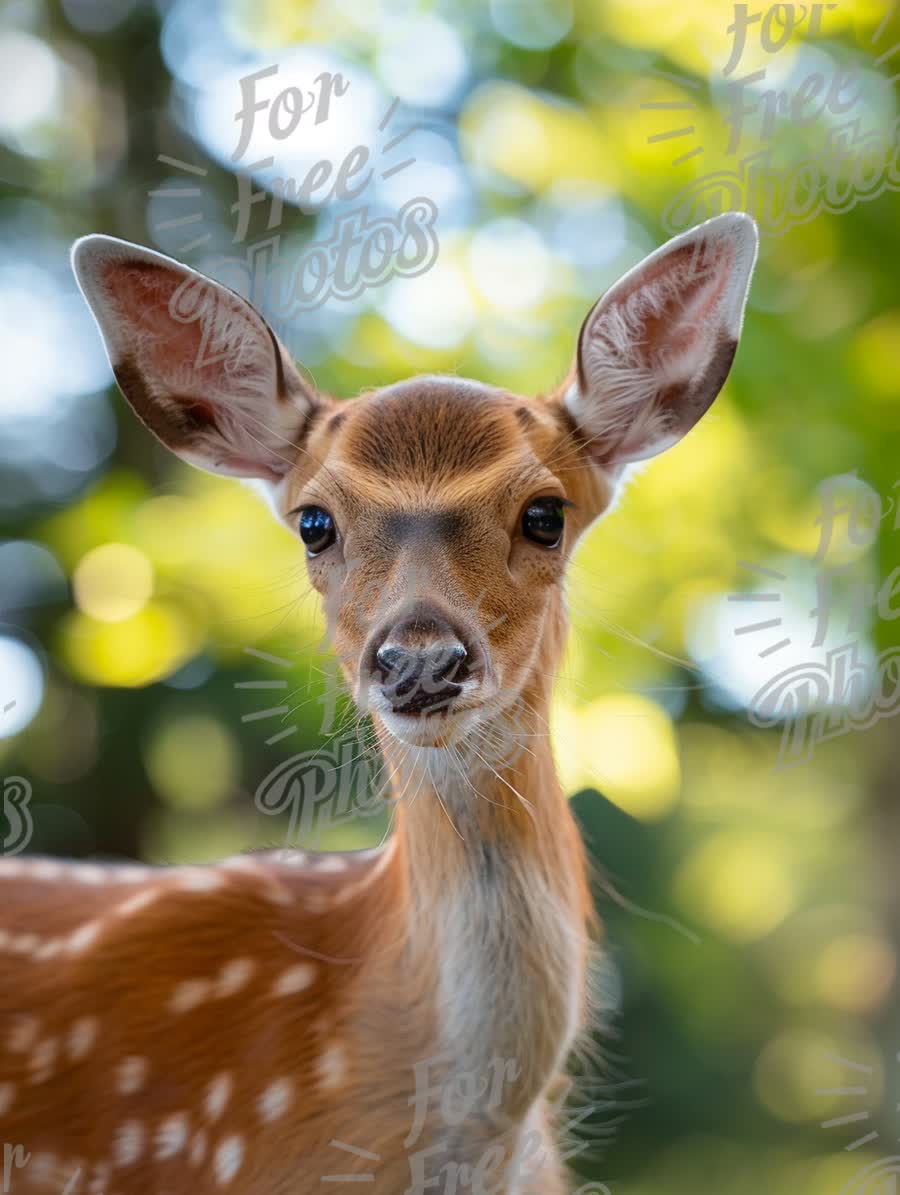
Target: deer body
column 399, row 1017
column 287, row 1001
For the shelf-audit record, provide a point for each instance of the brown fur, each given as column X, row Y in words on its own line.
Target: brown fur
column 462, row 945
column 432, row 445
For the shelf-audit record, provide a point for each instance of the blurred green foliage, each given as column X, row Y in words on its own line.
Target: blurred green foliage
column 751, row 910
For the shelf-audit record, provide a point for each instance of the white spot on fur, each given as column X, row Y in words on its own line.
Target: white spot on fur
column 82, row 1038
column 133, row 873
column 275, row 1100
column 379, row 857
column 24, row 943
column 234, row 976
column 50, row 949
column 171, row 1136
column 190, row 994
column 278, row 893
column 131, row 1075
column 217, row 1096
column 228, row 1159
column 332, row 1066
column 47, row 869
column 43, row 1059
column 251, row 866
column 84, row 937
column 128, row 1143
column 295, row 979
column 135, row 903
column 200, row 879
column 333, row 863
column 241, row 863
column 289, row 858
column 89, row 873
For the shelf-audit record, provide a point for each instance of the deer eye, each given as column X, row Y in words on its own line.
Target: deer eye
column 543, row 522
column 317, row 529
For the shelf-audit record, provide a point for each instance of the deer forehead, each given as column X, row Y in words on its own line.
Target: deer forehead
column 429, row 443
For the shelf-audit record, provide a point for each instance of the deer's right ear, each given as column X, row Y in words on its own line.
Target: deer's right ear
column 656, row 350
column 199, row 365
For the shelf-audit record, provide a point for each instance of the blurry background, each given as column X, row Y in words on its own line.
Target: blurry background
column 160, row 657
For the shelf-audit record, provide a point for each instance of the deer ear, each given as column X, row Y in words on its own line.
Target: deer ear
column 199, row 365
column 656, row 349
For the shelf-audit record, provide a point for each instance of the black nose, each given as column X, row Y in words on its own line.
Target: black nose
column 421, row 667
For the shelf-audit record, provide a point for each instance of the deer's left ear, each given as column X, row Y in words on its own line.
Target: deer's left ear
column 656, row 349
column 199, row 365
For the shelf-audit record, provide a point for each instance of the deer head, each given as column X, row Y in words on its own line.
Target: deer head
column 437, row 514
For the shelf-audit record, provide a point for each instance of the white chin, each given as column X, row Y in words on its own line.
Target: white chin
column 438, row 730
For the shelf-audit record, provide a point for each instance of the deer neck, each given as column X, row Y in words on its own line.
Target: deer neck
column 499, row 901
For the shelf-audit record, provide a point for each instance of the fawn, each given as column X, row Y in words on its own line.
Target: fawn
column 400, row 1016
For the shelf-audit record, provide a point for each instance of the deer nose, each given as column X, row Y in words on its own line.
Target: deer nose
column 417, row 678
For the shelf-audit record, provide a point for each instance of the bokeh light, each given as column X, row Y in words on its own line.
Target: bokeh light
column 625, row 747
column 193, row 762
column 21, row 685
column 112, row 582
